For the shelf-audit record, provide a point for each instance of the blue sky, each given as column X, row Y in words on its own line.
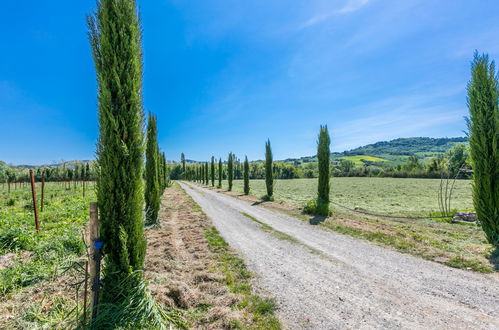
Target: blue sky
column 225, row 75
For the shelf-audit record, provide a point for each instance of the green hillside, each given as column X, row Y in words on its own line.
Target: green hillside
column 422, row 146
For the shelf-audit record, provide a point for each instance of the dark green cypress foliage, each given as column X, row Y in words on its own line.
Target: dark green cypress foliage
column 483, row 128
column 206, row 174
column 115, row 38
column 165, row 172
column 152, row 192
column 323, row 154
column 87, row 172
column 246, row 176
column 220, row 173
column 269, row 175
column 230, row 170
column 202, row 173
column 212, row 171
column 160, row 172
column 182, row 160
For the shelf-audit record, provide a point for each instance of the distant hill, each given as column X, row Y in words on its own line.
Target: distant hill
column 407, row 146
column 394, row 151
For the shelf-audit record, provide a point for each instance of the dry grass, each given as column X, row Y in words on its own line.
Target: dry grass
column 184, row 269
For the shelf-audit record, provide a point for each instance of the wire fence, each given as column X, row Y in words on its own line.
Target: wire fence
column 391, row 216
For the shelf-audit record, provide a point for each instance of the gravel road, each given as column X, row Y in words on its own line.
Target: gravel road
column 350, row 283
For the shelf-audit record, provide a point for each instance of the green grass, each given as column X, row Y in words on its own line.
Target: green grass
column 40, row 256
column 238, row 279
column 393, row 196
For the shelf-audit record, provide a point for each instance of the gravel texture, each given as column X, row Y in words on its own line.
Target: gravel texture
column 350, row 283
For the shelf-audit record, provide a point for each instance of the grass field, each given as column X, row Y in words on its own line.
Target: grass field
column 384, row 195
column 29, row 257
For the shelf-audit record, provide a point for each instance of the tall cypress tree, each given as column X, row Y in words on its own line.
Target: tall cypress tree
column 483, row 127
column 220, row 173
column 246, row 176
column 323, row 155
column 206, row 174
column 230, row 170
column 165, row 173
column 152, row 192
column 182, row 160
column 160, row 171
column 115, row 39
column 269, row 175
column 212, row 171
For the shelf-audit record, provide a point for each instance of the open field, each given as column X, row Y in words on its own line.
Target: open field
column 384, row 195
column 460, row 245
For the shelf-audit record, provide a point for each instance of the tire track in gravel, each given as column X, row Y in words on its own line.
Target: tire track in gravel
column 352, row 283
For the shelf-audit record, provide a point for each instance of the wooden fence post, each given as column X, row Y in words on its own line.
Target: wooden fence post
column 94, row 262
column 33, row 194
column 43, row 192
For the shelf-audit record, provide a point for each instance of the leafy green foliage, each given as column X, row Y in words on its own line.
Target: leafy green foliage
column 484, row 144
column 115, row 39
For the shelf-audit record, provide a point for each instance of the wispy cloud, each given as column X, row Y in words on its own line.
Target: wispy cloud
column 350, row 6
column 401, row 116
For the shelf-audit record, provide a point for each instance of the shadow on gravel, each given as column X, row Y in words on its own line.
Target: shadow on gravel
column 494, row 259
column 258, row 203
column 316, row 220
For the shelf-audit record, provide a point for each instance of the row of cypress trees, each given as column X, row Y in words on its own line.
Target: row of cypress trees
column 318, row 206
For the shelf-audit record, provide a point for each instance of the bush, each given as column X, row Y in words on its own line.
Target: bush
column 267, row 198
column 312, row 207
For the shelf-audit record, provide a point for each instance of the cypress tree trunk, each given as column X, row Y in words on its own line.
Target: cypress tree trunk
column 230, row 170
column 323, row 155
column 483, row 127
column 212, row 171
column 220, row 173
column 246, row 176
column 152, row 192
column 115, row 40
column 269, row 176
